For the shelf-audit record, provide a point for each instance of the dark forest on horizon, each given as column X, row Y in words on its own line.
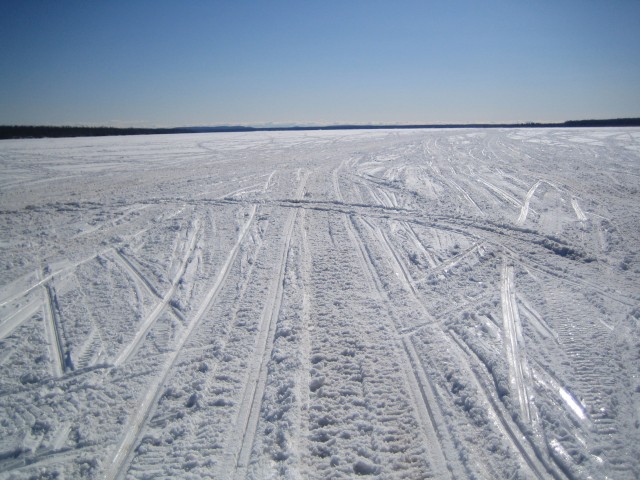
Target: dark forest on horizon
column 39, row 131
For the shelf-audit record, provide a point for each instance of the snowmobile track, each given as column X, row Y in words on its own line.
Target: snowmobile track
column 127, row 353
column 116, row 467
column 252, row 399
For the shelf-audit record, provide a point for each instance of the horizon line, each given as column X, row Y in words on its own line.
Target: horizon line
column 53, row 131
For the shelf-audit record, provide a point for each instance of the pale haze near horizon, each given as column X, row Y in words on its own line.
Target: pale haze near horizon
column 160, row 63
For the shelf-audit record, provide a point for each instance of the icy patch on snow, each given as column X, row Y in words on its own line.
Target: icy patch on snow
column 572, row 404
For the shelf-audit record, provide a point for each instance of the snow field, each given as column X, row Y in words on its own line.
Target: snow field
column 390, row 303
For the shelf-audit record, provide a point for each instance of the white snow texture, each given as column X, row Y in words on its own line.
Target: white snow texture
column 445, row 303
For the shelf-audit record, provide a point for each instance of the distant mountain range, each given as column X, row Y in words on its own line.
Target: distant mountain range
column 39, row 131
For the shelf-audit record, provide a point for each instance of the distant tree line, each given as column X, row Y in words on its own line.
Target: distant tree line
column 17, row 131
column 615, row 122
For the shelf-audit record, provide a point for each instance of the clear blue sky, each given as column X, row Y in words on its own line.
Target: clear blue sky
column 171, row 63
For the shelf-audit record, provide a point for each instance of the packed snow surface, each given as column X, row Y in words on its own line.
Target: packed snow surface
column 392, row 303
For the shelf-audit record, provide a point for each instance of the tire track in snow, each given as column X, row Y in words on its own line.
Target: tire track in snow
column 420, row 387
column 452, row 183
column 57, row 456
column 111, row 223
column 551, row 382
column 576, row 208
column 389, row 200
column 536, row 319
column 467, row 226
column 135, row 273
column 305, row 341
column 427, row 390
column 466, row 196
column 501, row 193
column 518, row 370
column 399, row 268
column 495, row 234
column 52, row 327
column 345, row 372
column 18, row 317
column 532, row 457
column 126, row 447
column 201, row 341
column 524, row 211
column 334, row 179
column 453, row 261
column 418, row 243
column 247, row 421
column 567, row 278
column 210, row 299
column 396, row 265
column 583, row 284
column 424, row 176
column 433, row 423
column 148, row 322
column 249, row 189
column 374, row 195
column 44, row 279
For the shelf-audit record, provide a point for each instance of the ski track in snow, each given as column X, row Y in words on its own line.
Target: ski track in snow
column 321, row 304
column 576, row 207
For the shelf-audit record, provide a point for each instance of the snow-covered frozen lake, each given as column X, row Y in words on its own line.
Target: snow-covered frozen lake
column 400, row 303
